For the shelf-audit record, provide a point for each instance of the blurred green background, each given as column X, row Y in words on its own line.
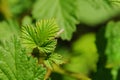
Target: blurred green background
column 90, row 42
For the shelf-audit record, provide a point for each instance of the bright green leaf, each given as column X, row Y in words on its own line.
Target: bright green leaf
column 42, row 35
column 64, row 11
column 16, row 65
column 48, row 64
column 7, row 71
column 54, row 59
column 82, row 60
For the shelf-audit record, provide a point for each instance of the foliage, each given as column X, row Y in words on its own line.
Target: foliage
column 112, row 49
column 93, row 12
column 63, row 10
column 16, row 65
column 84, row 53
column 41, row 36
column 80, row 59
column 10, row 28
column 77, row 26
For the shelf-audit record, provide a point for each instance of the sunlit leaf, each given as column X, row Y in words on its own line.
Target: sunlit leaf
column 42, row 35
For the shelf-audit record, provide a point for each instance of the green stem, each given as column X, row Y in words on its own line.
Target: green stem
column 71, row 74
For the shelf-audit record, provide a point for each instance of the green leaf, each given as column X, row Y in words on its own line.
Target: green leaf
column 48, row 64
column 42, row 35
column 82, row 60
column 113, row 46
column 54, row 59
column 115, row 3
column 94, row 12
column 113, row 43
column 64, row 11
column 8, row 28
column 16, row 65
column 6, row 70
column 17, row 6
column 26, row 20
